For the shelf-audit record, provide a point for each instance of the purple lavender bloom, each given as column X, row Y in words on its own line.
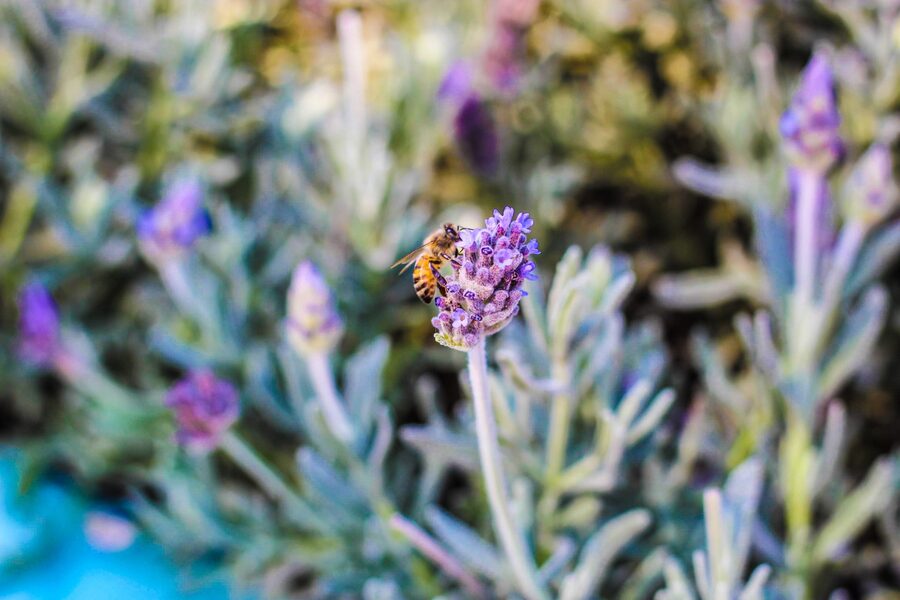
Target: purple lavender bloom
column 457, row 84
column 484, row 289
column 871, row 191
column 501, row 60
column 205, row 407
column 476, row 135
column 173, row 226
column 810, row 124
column 313, row 324
column 504, row 55
column 39, row 339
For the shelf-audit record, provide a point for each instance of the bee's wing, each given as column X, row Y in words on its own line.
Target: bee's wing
column 409, row 259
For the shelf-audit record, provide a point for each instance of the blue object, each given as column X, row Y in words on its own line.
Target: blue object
column 45, row 553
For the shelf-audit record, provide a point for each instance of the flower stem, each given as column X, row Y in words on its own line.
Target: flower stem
column 174, row 276
column 332, row 409
column 272, row 483
column 805, row 246
column 511, row 539
column 803, row 335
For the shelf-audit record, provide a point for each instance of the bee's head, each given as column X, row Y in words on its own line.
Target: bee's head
column 451, row 231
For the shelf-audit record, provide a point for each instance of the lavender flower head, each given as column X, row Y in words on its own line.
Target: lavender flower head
column 39, row 339
column 485, row 287
column 172, row 227
column 870, row 189
column 476, row 135
column 810, row 125
column 457, row 83
column 474, row 129
column 205, row 407
column 313, row 324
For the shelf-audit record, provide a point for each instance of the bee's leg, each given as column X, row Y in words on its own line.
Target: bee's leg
column 452, row 259
column 439, row 279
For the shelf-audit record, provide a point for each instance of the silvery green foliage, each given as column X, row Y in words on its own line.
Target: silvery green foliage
column 576, row 391
column 729, row 516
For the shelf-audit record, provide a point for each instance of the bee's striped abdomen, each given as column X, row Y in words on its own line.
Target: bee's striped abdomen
column 424, row 280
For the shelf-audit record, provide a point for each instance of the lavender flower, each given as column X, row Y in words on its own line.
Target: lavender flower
column 313, row 325
column 504, row 54
column 483, row 292
column 173, row 226
column 39, row 339
column 205, row 407
column 870, row 190
column 457, row 84
column 810, row 125
column 476, row 135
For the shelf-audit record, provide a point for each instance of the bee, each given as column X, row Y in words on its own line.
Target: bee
column 439, row 247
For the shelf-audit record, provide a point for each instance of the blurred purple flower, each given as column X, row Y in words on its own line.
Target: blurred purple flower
column 518, row 13
column 39, row 339
column 484, row 289
column 871, row 190
column 810, row 125
column 476, row 135
column 457, row 84
column 174, row 225
column 205, row 407
column 313, row 324
column 501, row 59
column 504, row 55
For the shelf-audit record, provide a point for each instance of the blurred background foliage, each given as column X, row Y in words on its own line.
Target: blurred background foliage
column 315, row 130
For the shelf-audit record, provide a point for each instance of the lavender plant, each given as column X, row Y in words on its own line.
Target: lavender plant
column 825, row 316
column 200, row 201
column 580, row 338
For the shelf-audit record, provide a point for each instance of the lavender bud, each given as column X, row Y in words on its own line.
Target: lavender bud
column 489, row 296
column 313, row 324
column 871, row 191
column 810, row 125
column 476, row 135
column 205, row 407
column 39, row 339
column 171, row 228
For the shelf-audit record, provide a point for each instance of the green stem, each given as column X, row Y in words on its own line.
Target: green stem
column 511, row 538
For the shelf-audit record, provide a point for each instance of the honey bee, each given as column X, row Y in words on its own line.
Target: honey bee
column 439, row 247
